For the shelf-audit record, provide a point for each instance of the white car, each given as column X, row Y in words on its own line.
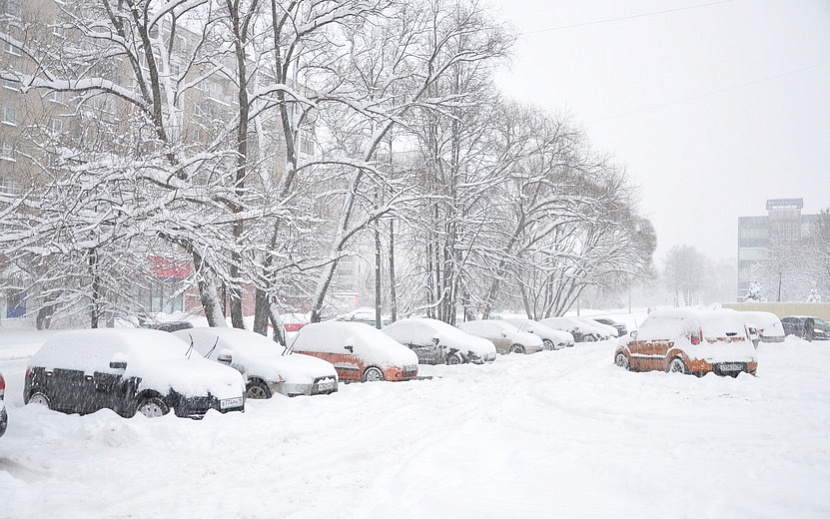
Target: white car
column 766, row 324
column 552, row 339
column 506, row 337
column 581, row 331
column 266, row 365
column 436, row 342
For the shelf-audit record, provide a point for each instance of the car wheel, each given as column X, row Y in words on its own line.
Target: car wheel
column 589, row 338
column 677, row 366
column 372, row 374
column 153, row 407
column 517, row 348
column 548, row 345
column 622, row 361
column 40, row 398
column 257, row 389
column 455, row 359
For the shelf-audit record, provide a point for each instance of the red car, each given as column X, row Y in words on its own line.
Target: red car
column 690, row 341
column 358, row 351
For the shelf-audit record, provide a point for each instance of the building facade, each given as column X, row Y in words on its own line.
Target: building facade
column 764, row 243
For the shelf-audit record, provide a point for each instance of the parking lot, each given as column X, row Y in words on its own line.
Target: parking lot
column 557, row 433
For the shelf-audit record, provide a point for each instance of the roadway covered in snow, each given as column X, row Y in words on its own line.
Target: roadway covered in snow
column 560, row 433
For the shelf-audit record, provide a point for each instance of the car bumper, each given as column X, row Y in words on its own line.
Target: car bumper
column 196, row 407
column 723, row 368
column 320, row 386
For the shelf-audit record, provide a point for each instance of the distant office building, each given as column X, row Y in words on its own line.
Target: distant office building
column 758, row 236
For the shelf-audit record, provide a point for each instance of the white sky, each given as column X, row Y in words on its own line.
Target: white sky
column 711, row 106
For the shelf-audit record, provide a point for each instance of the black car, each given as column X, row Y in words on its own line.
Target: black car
column 622, row 330
column 807, row 327
column 129, row 371
column 4, row 418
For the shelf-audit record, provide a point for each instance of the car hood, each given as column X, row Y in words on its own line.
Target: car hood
column 192, row 377
column 295, row 368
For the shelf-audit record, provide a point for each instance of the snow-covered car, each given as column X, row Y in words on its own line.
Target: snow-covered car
column 168, row 326
column 358, row 351
column 4, row 417
column 766, row 324
column 552, row 339
column 436, row 342
column 506, row 337
column 365, row 315
column 690, row 341
column 807, row 327
column 581, row 331
column 129, row 371
column 603, row 331
column 620, row 328
column 266, row 366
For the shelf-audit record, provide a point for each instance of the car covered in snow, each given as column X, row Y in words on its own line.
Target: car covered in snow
column 807, row 327
column 767, row 326
column 266, row 366
column 689, row 341
column 620, row 328
column 4, row 417
column 358, row 351
column 552, row 339
column 506, row 337
column 436, row 342
column 129, row 371
column 580, row 330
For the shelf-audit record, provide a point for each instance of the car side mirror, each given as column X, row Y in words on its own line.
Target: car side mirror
column 225, row 357
column 349, row 347
column 504, row 334
column 633, row 334
column 436, row 340
column 118, row 364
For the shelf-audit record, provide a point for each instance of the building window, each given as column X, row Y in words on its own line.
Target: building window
column 55, row 124
column 13, row 8
column 55, row 96
column 7, row 186
column 10, row 115
column 10, row 84
column 6, row 150
column 11, row 49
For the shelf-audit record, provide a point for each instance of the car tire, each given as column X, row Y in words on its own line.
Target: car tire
column 373, row 374
column 455, row 359
column 589, row 338
column 257, row 389
column 678, row 366
column 548, row 345
column 39, row 397
column 622, row 361
column 153, row 407
column 516, row 348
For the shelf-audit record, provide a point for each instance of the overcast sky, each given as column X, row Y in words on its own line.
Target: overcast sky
column 712, row 107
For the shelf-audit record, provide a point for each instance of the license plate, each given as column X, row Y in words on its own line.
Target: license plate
column 325, row 386
column 731, row 366
column 230, row 402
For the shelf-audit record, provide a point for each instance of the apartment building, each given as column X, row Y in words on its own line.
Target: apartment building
column 761, row 237
column 39, row 126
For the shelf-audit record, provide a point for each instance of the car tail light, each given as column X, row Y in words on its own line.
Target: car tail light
column 697, row 338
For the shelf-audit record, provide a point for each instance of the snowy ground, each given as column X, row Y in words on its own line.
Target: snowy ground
column 555, row 434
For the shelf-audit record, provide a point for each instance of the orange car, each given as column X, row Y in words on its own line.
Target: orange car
column 690, row 341
column 358, row 351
